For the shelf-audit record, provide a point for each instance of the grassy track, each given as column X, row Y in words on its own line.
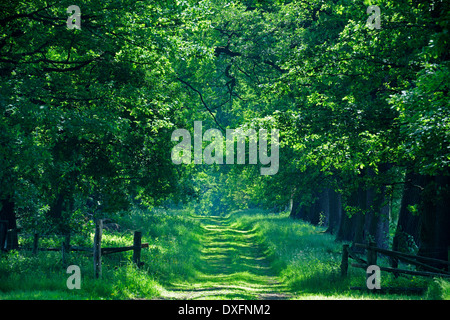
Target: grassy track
column 249, row 254
column 255, row 255
column 233, row 265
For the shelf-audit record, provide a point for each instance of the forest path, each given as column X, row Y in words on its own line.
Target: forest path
column 234, row 266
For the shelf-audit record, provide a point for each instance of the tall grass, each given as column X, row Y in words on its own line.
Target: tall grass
column 304, row 257
column 308, row 261
column 172, row 254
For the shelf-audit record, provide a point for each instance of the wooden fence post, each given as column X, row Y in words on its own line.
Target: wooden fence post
column 65, row 248
column 344, row 262
column 371, row 258
column 371, row 254
column 35, row 243
column 63, row 254
column 137, row 248
column 67, row 242
column 98, row 249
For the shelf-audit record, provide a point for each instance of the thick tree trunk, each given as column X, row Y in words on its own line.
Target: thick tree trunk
column 56, row 208
column 408, row 224
column 8, row 214
column 318, row 212
column 295, row 208
column 435, row 218
column 64, row 202
column 346, row 231
column 377, row 221
column 442, row 235
column 335, row 212
column 304, row 213
column 377, row 217
column 313, row 216
column 360, row 216
column 324, row 207
column 382, row 230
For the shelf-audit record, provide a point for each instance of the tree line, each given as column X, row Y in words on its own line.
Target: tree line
column 363, row 113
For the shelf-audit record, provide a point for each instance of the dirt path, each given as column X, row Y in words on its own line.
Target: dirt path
column 233, row 266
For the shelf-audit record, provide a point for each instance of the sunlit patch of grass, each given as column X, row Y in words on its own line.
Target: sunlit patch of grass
column 439, row 290
column 172, row 254
column 304, row 257
column 308, row 260
column 232, row 264
column 244, row 255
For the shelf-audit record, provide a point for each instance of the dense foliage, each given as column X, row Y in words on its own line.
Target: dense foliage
column 87, row 115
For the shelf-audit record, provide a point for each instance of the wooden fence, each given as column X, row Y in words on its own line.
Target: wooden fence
column 424, row 263
column 97, row 250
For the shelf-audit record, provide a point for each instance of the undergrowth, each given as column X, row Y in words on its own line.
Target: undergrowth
column 308, row 260
column 304, row 257
column 173, row 240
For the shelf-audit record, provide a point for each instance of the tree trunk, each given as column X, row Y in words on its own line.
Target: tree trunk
column 304, row 213
column 56, row 208
column 346, row 231
column 295, row 208
column 377, row 215
column 382, row 231
column 7, row 213
column 64, row 202
column 324, row 207
column 318, row 212
column 313, row 215
column 442, row 235
column 335, row 212
column 408, row 224
column 435, row 219
column 360, row 216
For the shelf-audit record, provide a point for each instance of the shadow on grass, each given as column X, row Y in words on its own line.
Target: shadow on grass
column 232, row 266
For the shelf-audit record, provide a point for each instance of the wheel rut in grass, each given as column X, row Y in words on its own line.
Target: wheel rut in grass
column 233, row 266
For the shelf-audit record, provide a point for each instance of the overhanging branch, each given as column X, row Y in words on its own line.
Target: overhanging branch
column 203, row 102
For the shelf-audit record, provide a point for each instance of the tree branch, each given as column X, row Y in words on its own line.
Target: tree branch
column 203, row 102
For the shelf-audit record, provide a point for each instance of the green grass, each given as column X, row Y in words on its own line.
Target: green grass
column 232, row 265
column 172, row 237
column 308, row 261
column 439, row 289
column 248, row 254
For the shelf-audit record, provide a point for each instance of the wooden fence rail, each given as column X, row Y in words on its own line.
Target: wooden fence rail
column 372, row 251
column 97, row 250
column 105, row 251
column 400, row 255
